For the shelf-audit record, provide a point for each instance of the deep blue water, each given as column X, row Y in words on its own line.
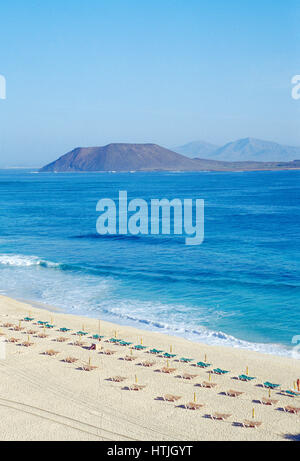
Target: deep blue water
column 240, row 287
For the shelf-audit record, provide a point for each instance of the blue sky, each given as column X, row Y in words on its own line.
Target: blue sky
column 165, row 71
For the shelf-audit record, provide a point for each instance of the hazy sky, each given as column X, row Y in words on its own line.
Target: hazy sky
column 85, row 73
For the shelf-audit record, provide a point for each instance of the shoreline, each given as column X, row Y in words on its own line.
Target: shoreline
column 241, row 344
column 111, row 412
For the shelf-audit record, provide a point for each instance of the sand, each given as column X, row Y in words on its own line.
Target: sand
column 44, row 398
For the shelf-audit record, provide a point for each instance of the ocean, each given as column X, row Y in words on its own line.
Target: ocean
column 240, row 288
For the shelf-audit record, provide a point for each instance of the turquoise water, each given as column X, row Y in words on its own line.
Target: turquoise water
column 239, row 288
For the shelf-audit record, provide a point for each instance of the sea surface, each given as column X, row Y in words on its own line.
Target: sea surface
column 240, row 288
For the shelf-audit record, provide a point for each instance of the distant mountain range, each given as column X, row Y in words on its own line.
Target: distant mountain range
column 151, row 157
column 242, row 150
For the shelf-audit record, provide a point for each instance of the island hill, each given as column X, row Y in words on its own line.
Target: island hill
column 121, row 157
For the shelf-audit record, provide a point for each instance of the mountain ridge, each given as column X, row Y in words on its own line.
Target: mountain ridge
column 124, row 157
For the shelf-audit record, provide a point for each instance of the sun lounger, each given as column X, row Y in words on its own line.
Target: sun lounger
column 246, row 378
column 168, row 370
column 266, row 401
column 220, row 416
column 194, row 406
column 136, row 387
column 268, row 385
column 253, row 424
column 233, row 393
column 148, row 363
column 185, row 360
column 130, row 358
column 203, row 364
column 219, row 371
column 187, row 376
column 117, row 379
column 208, row 384
column 290, row 409
column 88, row 367
column 171, row 397
column 109, row 352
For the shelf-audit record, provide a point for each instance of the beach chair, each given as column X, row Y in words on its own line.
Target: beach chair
column 203, row 364
column 148, row 363
column 194, row 406
column 117, row 379
column 233, row 393
column 130, row 358
column 155, row 351
column 136, row 387
column 267, row 401
column 268, row 385
column 171, row 397
column 219, row 371
column 251, row 424
column 208, row 384
column 109, row 352
column 246, row 378
column 291, row 409
column 220, row 416
column 185, row 360
column 187, row 376
column 88, row 367
column 168, row 370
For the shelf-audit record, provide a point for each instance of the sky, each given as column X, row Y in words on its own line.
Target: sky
column 87, row 73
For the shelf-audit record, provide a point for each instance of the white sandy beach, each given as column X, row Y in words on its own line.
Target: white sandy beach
column 44, row 398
